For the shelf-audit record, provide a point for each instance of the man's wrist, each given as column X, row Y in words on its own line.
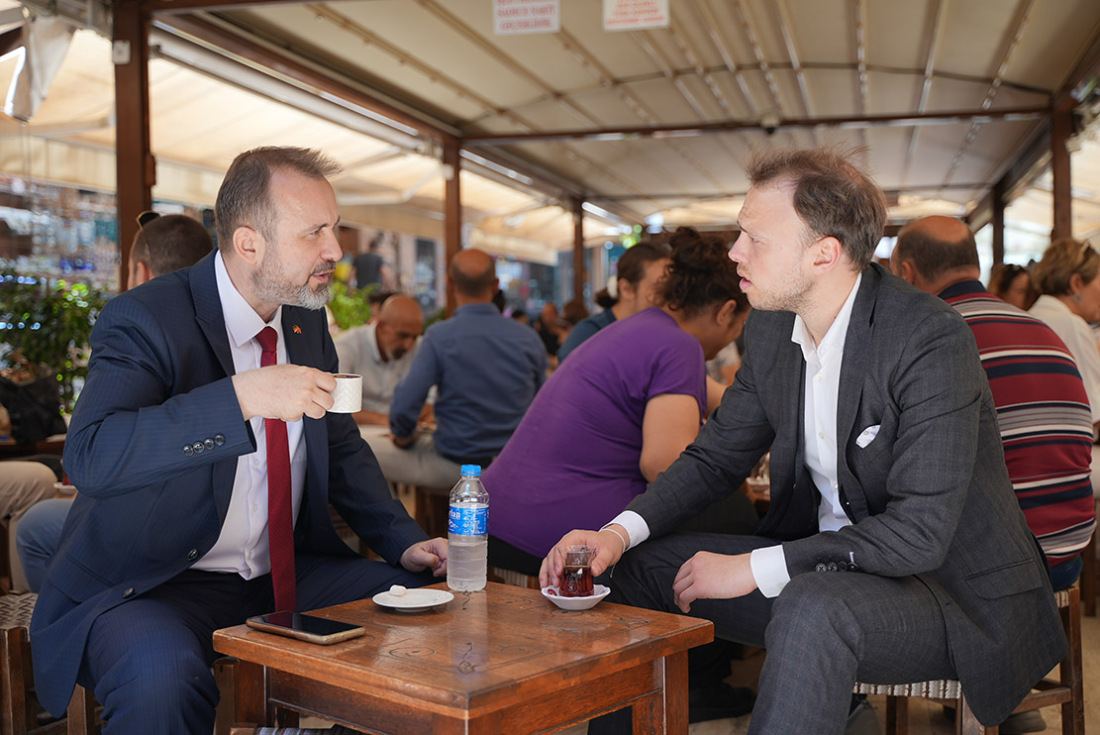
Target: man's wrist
column 621, row 532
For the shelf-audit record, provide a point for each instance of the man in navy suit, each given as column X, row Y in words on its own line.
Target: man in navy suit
column 168, row 538
column 894, row 549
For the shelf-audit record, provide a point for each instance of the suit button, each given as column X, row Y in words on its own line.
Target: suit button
column 193, row 554
column 832, row 567
column 198, row 447
column 208, row 443
column 219, row 439
column 128, row 593
column 821, row 567
column 187, row 450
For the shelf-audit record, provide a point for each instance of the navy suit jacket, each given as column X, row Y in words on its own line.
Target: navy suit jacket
column 153, row 448
column 928, row 494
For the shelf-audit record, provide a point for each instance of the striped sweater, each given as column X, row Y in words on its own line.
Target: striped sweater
column 1044, row 417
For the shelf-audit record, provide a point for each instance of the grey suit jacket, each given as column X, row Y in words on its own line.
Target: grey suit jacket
column 928, row 496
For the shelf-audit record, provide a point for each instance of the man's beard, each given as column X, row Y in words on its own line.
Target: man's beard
column 794, row 296
column 273, row 285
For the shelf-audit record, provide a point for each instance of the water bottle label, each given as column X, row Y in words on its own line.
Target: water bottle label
column 465, row 520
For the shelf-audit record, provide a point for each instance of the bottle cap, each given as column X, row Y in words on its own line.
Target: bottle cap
column 471, row 470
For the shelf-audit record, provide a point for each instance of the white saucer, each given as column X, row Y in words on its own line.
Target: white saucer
column 576, row 603
column 415, row 600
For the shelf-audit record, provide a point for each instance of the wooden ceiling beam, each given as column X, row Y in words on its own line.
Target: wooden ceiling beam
column 728, row 126
column 188, row 6
column 237, row 45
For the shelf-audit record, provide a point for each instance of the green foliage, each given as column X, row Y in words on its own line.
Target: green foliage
column 50, row 325
column 349, row 305
column 436, row 317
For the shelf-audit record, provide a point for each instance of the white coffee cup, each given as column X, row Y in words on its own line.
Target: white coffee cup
column 348, row 395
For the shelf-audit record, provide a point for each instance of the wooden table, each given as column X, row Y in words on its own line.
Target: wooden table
column 504, row 660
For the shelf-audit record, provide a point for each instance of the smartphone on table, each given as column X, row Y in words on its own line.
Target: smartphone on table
column 306, row 627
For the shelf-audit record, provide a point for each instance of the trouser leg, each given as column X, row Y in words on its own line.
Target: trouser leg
column 831, row 629
column 148, row 660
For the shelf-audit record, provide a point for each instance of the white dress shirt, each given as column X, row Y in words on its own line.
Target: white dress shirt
column 242, row 546
column 823, row 363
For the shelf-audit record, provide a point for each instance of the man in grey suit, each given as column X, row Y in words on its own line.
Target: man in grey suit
column 894, row 549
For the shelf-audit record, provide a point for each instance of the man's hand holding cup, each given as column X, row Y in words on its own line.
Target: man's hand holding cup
column 609, row 545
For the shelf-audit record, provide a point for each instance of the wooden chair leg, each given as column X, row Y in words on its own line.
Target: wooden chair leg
column 81, row 716
column 13, row 691
column 967, row 724
column 1071, row 670
column 1088, row 577
column 897, row 715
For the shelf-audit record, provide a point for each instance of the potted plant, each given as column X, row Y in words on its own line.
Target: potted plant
column 48, row 325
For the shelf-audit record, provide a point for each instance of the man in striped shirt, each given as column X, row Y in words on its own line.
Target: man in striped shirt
column 1042, row 408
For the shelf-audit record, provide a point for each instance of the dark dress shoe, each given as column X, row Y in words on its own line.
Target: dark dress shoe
column 718, row 701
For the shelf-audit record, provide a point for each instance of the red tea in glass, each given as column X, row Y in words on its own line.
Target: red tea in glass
column 576, row 578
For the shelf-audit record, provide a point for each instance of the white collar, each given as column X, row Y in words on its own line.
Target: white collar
column 838, row 330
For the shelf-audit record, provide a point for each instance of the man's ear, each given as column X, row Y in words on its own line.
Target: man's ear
column 827, row 253
column 248, row 244
column 142, row 273
column 907, row 271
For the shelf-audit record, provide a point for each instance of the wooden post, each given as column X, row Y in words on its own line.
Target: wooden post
column 578, row 248
column 135, row 167
column 997, row 222
column 1061, row 127
column 452, row 209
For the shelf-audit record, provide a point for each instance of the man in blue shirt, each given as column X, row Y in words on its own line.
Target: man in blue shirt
column 487, row 370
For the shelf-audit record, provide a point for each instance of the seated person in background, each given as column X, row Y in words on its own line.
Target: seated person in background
column 24, row 486
column 894, row 549
column 1042, row 407
column 1012, row 283
column 194, row 459
column 547, row 327
column 1068, row 277
column 486, row 369
column 382, row 352
column 617, row 413
column 161, row 245
column 637, row 273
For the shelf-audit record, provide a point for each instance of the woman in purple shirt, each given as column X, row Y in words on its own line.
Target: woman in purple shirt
column 618, row 412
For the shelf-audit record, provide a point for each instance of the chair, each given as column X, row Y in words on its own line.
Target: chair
column 1067, row 689
column 1088, row 573
column 18, row 706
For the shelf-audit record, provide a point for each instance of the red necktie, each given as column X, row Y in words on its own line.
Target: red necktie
column 280, row 525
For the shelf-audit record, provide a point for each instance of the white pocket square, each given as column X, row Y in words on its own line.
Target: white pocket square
column 867, row 435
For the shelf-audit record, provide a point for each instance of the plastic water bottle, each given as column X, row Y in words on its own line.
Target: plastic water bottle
column 468, row 532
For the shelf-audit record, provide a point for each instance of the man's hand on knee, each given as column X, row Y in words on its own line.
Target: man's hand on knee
column 708, row 576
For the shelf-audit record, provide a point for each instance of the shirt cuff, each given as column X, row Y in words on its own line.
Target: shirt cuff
column 769, row 569
column 635, row 526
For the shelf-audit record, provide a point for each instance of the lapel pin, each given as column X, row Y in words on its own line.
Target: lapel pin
column 297, row 329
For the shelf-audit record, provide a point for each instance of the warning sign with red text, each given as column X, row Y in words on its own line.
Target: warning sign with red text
column 511, row 17
column 633, row 15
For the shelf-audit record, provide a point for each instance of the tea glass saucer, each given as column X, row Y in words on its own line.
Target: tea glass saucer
column 576, row 603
